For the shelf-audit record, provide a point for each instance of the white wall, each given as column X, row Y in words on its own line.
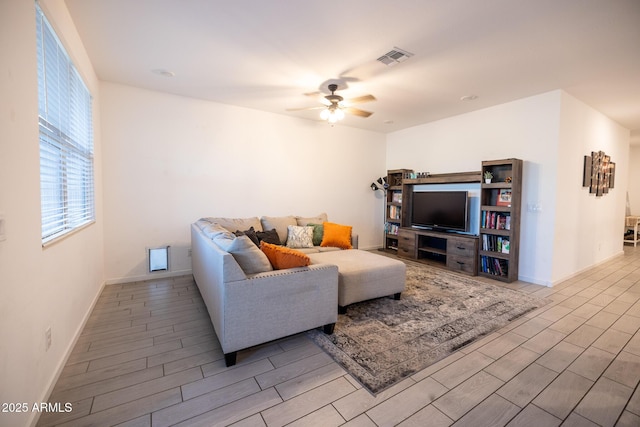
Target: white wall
column 634, row 179
column 526, row 129
column 564, row 229
column 38, row 287
column 171, row 160
column 588, row 229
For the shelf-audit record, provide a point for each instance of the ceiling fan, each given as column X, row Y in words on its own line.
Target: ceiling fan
column 335, row 106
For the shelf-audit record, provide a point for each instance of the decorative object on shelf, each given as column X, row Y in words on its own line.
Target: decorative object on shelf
column 508, row 180
column 599, row 173
column 504, row 197
column 488, row 176
column 417, row 175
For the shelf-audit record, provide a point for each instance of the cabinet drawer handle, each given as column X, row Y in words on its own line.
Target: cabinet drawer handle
column 461, row 248
column 460, row 262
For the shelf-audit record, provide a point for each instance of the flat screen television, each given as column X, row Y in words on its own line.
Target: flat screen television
column 440, row 210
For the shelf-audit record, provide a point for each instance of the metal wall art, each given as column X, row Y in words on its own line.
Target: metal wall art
column 599, row 173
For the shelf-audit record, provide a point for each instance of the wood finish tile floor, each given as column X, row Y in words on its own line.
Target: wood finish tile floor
column 148, row 357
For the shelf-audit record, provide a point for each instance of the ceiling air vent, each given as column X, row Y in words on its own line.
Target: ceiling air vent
column 395, row 56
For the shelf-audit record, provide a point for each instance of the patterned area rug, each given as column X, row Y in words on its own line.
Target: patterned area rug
column 382, row 341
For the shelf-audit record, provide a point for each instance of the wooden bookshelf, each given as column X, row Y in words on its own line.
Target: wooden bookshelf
column 393, row 207
column 501, row 204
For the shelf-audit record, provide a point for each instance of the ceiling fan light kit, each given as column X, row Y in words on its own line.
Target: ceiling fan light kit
column 332, row 114
column 335, row 106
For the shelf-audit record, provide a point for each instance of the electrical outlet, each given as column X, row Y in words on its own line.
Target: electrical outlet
column 47, row 338
column 189, row 252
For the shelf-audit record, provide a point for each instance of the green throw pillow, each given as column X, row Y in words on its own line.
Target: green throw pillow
column 318, row 232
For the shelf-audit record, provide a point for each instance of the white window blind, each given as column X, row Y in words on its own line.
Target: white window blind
column 66, row 138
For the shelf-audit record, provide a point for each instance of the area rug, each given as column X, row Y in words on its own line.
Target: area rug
column 382, row 341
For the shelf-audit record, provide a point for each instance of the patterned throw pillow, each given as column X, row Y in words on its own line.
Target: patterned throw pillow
column 282, row 258
column 299, row 237
column 336, row 235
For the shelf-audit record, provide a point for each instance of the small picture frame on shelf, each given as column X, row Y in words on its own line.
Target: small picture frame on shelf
column 504, row 197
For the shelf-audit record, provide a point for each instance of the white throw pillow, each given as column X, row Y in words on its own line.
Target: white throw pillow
column 299, row 237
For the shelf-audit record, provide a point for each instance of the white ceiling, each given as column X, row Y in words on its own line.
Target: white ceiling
column 267, row 54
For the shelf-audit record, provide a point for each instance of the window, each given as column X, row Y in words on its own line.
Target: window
column 66, row 138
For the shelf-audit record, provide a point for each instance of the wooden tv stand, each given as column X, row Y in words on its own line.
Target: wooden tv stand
column 457, row 252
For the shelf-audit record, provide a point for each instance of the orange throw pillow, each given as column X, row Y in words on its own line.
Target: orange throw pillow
column 282, row 257
column 336, row 235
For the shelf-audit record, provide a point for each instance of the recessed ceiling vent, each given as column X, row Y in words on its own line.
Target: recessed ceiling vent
column 395, row 56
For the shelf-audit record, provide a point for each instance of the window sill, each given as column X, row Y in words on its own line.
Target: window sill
column 62, row 236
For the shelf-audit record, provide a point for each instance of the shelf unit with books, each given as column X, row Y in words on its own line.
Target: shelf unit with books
column 501, row 201
column 393, row 208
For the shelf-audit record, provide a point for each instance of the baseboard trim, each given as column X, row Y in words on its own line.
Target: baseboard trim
column 36, row 415
column 579, row 272
column 150, row 276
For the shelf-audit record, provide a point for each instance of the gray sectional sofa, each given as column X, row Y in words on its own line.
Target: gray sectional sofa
column 250, row 303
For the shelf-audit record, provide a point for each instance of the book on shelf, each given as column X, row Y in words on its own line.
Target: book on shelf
column 495, row 243
column 391, row 228
column 394, row 212
column 494, row 266
column 396, row 196
column 495, row 220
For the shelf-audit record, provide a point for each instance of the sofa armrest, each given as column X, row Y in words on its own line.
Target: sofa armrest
column 279, row 303
column 354, row 240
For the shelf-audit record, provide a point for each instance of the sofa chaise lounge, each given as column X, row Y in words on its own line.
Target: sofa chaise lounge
column 250, row 303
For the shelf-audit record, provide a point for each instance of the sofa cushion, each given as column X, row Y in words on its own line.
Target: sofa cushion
column 233, row 224
column 316, row 219
column 299, row 237
column 202, row 223
column 337, row 235
column 282, row 257
column 269, row 236
column 280, row 224
column 248, row 256
column 214, row 230
column 251, row 234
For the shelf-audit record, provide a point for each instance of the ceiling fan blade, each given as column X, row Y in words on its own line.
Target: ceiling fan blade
column 357, row 112
column 361, row 99
column 320, row 107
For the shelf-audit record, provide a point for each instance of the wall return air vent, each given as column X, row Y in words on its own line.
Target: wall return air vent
column 395, row 56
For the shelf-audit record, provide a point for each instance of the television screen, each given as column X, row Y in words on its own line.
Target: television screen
column 440, row 210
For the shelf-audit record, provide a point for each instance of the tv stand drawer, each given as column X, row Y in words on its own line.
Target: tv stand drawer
column 462, row 247
column 406, row 244
column 462, row 264
column 456, row 252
